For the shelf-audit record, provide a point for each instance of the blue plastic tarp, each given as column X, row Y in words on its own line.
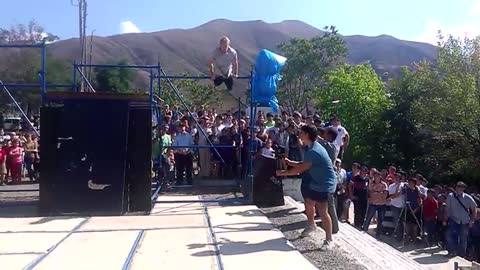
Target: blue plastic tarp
column 265, row 78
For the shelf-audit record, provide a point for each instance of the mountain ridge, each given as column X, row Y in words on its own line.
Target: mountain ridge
column 187, row 50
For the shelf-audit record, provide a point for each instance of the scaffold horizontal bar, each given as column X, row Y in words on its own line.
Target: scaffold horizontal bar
column 27, row 85
column 202, row 146
column 21, row 46
column 115, row 66
column 201, row 77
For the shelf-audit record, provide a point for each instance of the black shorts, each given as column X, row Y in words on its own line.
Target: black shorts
column 313, row 195
column 228, row 81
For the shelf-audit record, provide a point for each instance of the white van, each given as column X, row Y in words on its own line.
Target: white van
column 12, row 123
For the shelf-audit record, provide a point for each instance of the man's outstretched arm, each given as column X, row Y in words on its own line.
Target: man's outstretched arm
column 297, row 169
column 211, row 67
column 235, row 66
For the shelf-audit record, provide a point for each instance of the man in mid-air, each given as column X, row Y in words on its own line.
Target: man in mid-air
column 223, row 64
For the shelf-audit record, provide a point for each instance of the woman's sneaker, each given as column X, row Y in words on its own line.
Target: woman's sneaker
column 326, row 245
column 308, row 230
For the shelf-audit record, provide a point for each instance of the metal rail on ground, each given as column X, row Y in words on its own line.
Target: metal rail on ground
column 133, row 249
column 212, row 238
column 40, row 258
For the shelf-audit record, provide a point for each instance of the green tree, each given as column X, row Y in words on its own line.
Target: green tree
column 114, row 79
column 30, row 33
column 448, row 109
column 357, row 95
column 309, row 60
column 194, row 93
column 402, row 142
column 433, row 121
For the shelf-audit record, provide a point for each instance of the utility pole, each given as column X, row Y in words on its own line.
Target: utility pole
column 90, row 56
column 82, row 23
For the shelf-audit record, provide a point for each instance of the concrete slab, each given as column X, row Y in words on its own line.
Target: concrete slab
column 246, row 238
column 235, row 218
column 28, row 242
column 164, row 198
column 142, row 222
column 162, row 209
column 39, row 224
column 175, row 249
column 106, row 250
column 259, row 250
column 14, row 262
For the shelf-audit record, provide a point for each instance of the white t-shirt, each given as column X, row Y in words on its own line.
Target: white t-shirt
column 342, row 176
column 224, row 61
column 341, row 133
column 267, row 152
column 399, row 201
column 218, row 129
column 4, row 138
column 423, row 190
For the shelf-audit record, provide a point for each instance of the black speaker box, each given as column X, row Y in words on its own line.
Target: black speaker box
column 267, row 188
column 139, row 158
column 96, row 156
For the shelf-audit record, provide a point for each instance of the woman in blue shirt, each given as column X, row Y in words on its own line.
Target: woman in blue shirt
column 319, row 181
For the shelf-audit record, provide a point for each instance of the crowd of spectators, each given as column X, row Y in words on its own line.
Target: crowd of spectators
column 440, row 215
column 19, row 153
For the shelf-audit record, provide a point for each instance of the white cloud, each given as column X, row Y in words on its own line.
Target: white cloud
column 128, row 27
column 474, row 10
column 430, row 33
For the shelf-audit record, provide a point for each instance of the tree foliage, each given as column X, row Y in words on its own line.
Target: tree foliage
column 434, row 120
column 23, row 65
column 114, row 79
column 356, row 94
column 30, row 33
column 309, row 60
column 193, row 92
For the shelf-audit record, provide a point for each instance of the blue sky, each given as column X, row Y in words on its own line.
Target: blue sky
column 416, row 20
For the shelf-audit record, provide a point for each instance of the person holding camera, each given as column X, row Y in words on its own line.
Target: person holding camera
column 413, row 201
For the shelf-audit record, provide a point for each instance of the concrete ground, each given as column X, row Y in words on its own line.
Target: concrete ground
column 178, row 234
column 374, row 253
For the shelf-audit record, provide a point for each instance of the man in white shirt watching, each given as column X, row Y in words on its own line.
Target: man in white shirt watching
column 223, row 64
column 343, row 138
column 397, row 202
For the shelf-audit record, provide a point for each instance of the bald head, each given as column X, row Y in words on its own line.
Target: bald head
column 224, row 44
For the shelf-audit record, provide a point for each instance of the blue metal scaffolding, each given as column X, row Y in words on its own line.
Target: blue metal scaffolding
column 155, row 73
column 41, row 75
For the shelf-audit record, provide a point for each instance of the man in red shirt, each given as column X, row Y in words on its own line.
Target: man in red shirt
column 3, row 167
column 430, row 207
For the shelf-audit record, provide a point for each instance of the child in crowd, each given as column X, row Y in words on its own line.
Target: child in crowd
column 441, row 216
column 16, row 158
column 3, row 166
column 170, row 165
column 430, row 208
column 267, row 150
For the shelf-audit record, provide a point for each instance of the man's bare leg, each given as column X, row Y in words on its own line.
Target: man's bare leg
column 326, row 219
column 310, row 212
